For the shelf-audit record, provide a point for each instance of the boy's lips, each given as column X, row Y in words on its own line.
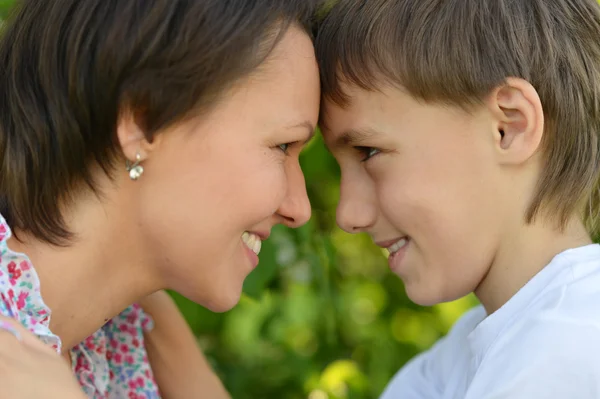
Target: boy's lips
column 396, row 248
column 388, row 243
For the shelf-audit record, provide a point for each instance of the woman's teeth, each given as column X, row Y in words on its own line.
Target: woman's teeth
column 397, row 246
column 252, row 241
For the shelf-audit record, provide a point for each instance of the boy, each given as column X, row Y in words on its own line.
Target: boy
column 467, row 132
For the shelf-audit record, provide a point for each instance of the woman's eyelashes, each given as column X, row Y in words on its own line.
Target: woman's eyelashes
column 285, row 147
column 367, row 153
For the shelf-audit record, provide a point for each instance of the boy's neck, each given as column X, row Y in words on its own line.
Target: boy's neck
column 524, row 252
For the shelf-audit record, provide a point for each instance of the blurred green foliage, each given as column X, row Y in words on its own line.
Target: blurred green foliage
column 321, row 317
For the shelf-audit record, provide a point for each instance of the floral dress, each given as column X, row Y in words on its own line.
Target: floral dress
column 110, row 364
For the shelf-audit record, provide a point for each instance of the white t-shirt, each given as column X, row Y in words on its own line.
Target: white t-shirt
column 543, row 343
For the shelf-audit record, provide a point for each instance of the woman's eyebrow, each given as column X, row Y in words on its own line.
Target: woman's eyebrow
column 310, row 128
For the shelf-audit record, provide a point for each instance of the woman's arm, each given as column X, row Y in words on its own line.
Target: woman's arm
column 180, row 368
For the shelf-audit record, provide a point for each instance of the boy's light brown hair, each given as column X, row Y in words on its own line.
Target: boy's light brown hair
column 457, row 51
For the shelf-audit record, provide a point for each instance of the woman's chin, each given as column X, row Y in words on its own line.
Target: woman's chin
column 219, row 300
column 224, row 304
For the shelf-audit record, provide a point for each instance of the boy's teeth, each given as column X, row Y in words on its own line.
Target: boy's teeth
column 397, row 246
column 252, row 241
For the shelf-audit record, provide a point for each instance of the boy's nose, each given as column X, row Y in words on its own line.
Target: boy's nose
column 356, row 211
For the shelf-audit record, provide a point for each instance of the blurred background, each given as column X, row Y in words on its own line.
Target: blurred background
column 322, row 317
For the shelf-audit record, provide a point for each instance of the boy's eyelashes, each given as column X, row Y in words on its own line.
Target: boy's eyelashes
column 367, row 153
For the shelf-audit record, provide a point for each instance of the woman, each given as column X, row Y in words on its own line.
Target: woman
column 146, row 145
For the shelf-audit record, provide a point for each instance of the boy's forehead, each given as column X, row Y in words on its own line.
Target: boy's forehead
column 349, row 123
column 343, row 126
column 334, row 121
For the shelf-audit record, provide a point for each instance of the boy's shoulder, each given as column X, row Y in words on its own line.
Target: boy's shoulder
column 552, row 354
column 551, row 347
column 559, row 305
column 431, row 373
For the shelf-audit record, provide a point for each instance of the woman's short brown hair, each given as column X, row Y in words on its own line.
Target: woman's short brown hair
column 69, row 67
column 457, row 51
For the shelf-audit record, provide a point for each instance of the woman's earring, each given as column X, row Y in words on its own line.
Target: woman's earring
column 135, row 169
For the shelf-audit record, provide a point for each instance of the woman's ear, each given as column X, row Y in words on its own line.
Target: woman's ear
column 518, row 120
column 132, row 137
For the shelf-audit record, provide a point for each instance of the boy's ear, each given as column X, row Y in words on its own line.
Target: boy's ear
column 518, row 119
column 132, row 137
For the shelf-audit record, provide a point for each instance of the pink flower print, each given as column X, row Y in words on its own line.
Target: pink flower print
column 114, row 343
column 44, row 320
column 136, row 383
column 123, row 328
column 21, row 300
column 131, row 318
column 2, row 232
column 145, row 324
column 12, row 267
column 13, row 273
column 25, row 265
column 89, row 343
column 117, row 358
column 124, row 348
column 80, row 363
column 135, row 342
column 129, row 359
column 13, row 278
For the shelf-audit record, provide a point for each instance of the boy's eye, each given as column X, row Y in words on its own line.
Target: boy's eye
column 367, row 152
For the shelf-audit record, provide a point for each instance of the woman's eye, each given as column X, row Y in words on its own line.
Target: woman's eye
column 367, row 152
column 285, row 147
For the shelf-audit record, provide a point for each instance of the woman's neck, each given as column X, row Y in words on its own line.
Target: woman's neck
column 98, row 275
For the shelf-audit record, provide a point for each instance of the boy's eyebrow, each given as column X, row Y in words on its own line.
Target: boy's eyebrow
column 353, row 137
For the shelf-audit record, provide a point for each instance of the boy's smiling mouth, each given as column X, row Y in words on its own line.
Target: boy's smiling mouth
column 395, row 245
column 398, row 245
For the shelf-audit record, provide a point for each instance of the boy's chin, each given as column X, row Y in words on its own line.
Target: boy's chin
column 427, row 295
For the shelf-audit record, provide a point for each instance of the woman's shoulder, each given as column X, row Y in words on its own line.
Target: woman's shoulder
column 20, row 295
